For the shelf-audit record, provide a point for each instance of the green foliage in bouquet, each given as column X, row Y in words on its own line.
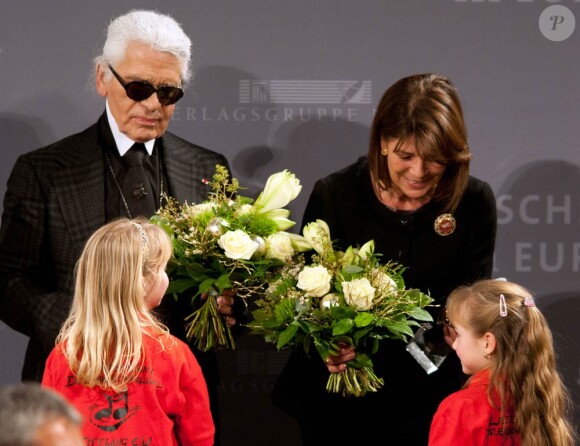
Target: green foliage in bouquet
column 228, row 241
column 340, row 298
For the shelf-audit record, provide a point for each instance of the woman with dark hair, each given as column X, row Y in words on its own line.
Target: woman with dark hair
column 414, row 197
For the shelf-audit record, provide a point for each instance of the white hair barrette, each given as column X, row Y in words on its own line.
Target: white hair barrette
column 502, row 306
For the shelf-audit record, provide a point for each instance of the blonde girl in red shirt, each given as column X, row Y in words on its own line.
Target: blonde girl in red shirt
column 515, row 395
column 131, row 380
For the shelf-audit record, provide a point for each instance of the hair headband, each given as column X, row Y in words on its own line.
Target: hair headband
column 144, row 238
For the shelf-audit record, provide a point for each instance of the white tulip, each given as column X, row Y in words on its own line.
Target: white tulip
column 317, row 234
column 299, row 243
column 280, row 217
column 280, row 189
column 366, row 250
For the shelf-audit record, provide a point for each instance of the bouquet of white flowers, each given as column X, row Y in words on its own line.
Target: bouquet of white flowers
column 340, row 298
column 228, row 241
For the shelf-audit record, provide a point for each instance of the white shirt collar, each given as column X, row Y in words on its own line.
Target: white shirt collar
column 124, row 143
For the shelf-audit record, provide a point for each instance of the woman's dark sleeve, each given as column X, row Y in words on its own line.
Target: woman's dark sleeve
column 481, row 243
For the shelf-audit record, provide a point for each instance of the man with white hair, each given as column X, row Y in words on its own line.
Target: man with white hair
column 121, row 166
column 31, row 415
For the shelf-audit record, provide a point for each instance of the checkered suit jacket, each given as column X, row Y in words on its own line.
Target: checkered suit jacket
column 55, row 200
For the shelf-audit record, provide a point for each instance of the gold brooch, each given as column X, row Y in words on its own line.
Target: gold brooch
column 445, row 224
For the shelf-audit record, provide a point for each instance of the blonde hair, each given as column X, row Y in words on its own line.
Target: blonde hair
column 426, row 107
column 523, row 365
column 103, row 334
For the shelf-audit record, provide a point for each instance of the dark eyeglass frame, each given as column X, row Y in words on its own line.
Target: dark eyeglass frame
column 140, row 90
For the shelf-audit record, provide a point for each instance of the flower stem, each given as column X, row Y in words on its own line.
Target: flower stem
column 354, row 382
column 207, row 329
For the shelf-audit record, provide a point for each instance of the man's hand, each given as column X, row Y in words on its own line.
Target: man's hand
column 337, row 363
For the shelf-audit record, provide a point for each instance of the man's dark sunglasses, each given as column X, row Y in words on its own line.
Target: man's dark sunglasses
column 140, row 90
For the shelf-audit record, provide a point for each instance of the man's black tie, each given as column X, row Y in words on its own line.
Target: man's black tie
column 136, row 186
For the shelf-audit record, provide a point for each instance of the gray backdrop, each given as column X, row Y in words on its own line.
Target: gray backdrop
column 293, row 84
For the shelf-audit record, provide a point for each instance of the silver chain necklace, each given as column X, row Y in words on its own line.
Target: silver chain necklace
column 121, row 190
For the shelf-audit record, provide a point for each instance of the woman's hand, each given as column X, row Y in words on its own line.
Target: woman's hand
column 337, row 363
column 225, row 303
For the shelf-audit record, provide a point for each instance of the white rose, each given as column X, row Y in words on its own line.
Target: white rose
column 245, row 209
column 279, row 246
column 359, row 293
column 383, row 282
column 197, row 209
column 314, row 280
column 330, row 300
column 280, row 189
column 317, row 234
column 237, row 245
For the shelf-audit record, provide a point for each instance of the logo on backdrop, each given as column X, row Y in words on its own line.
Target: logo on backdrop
column 516, row 1
column 305, row 92
column 256, row 371
column 287, row 101
column 557, row 23
column 538, row 241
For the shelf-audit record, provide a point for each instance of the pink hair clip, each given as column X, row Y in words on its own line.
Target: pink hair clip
column 529, row 302
column 502, row 306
